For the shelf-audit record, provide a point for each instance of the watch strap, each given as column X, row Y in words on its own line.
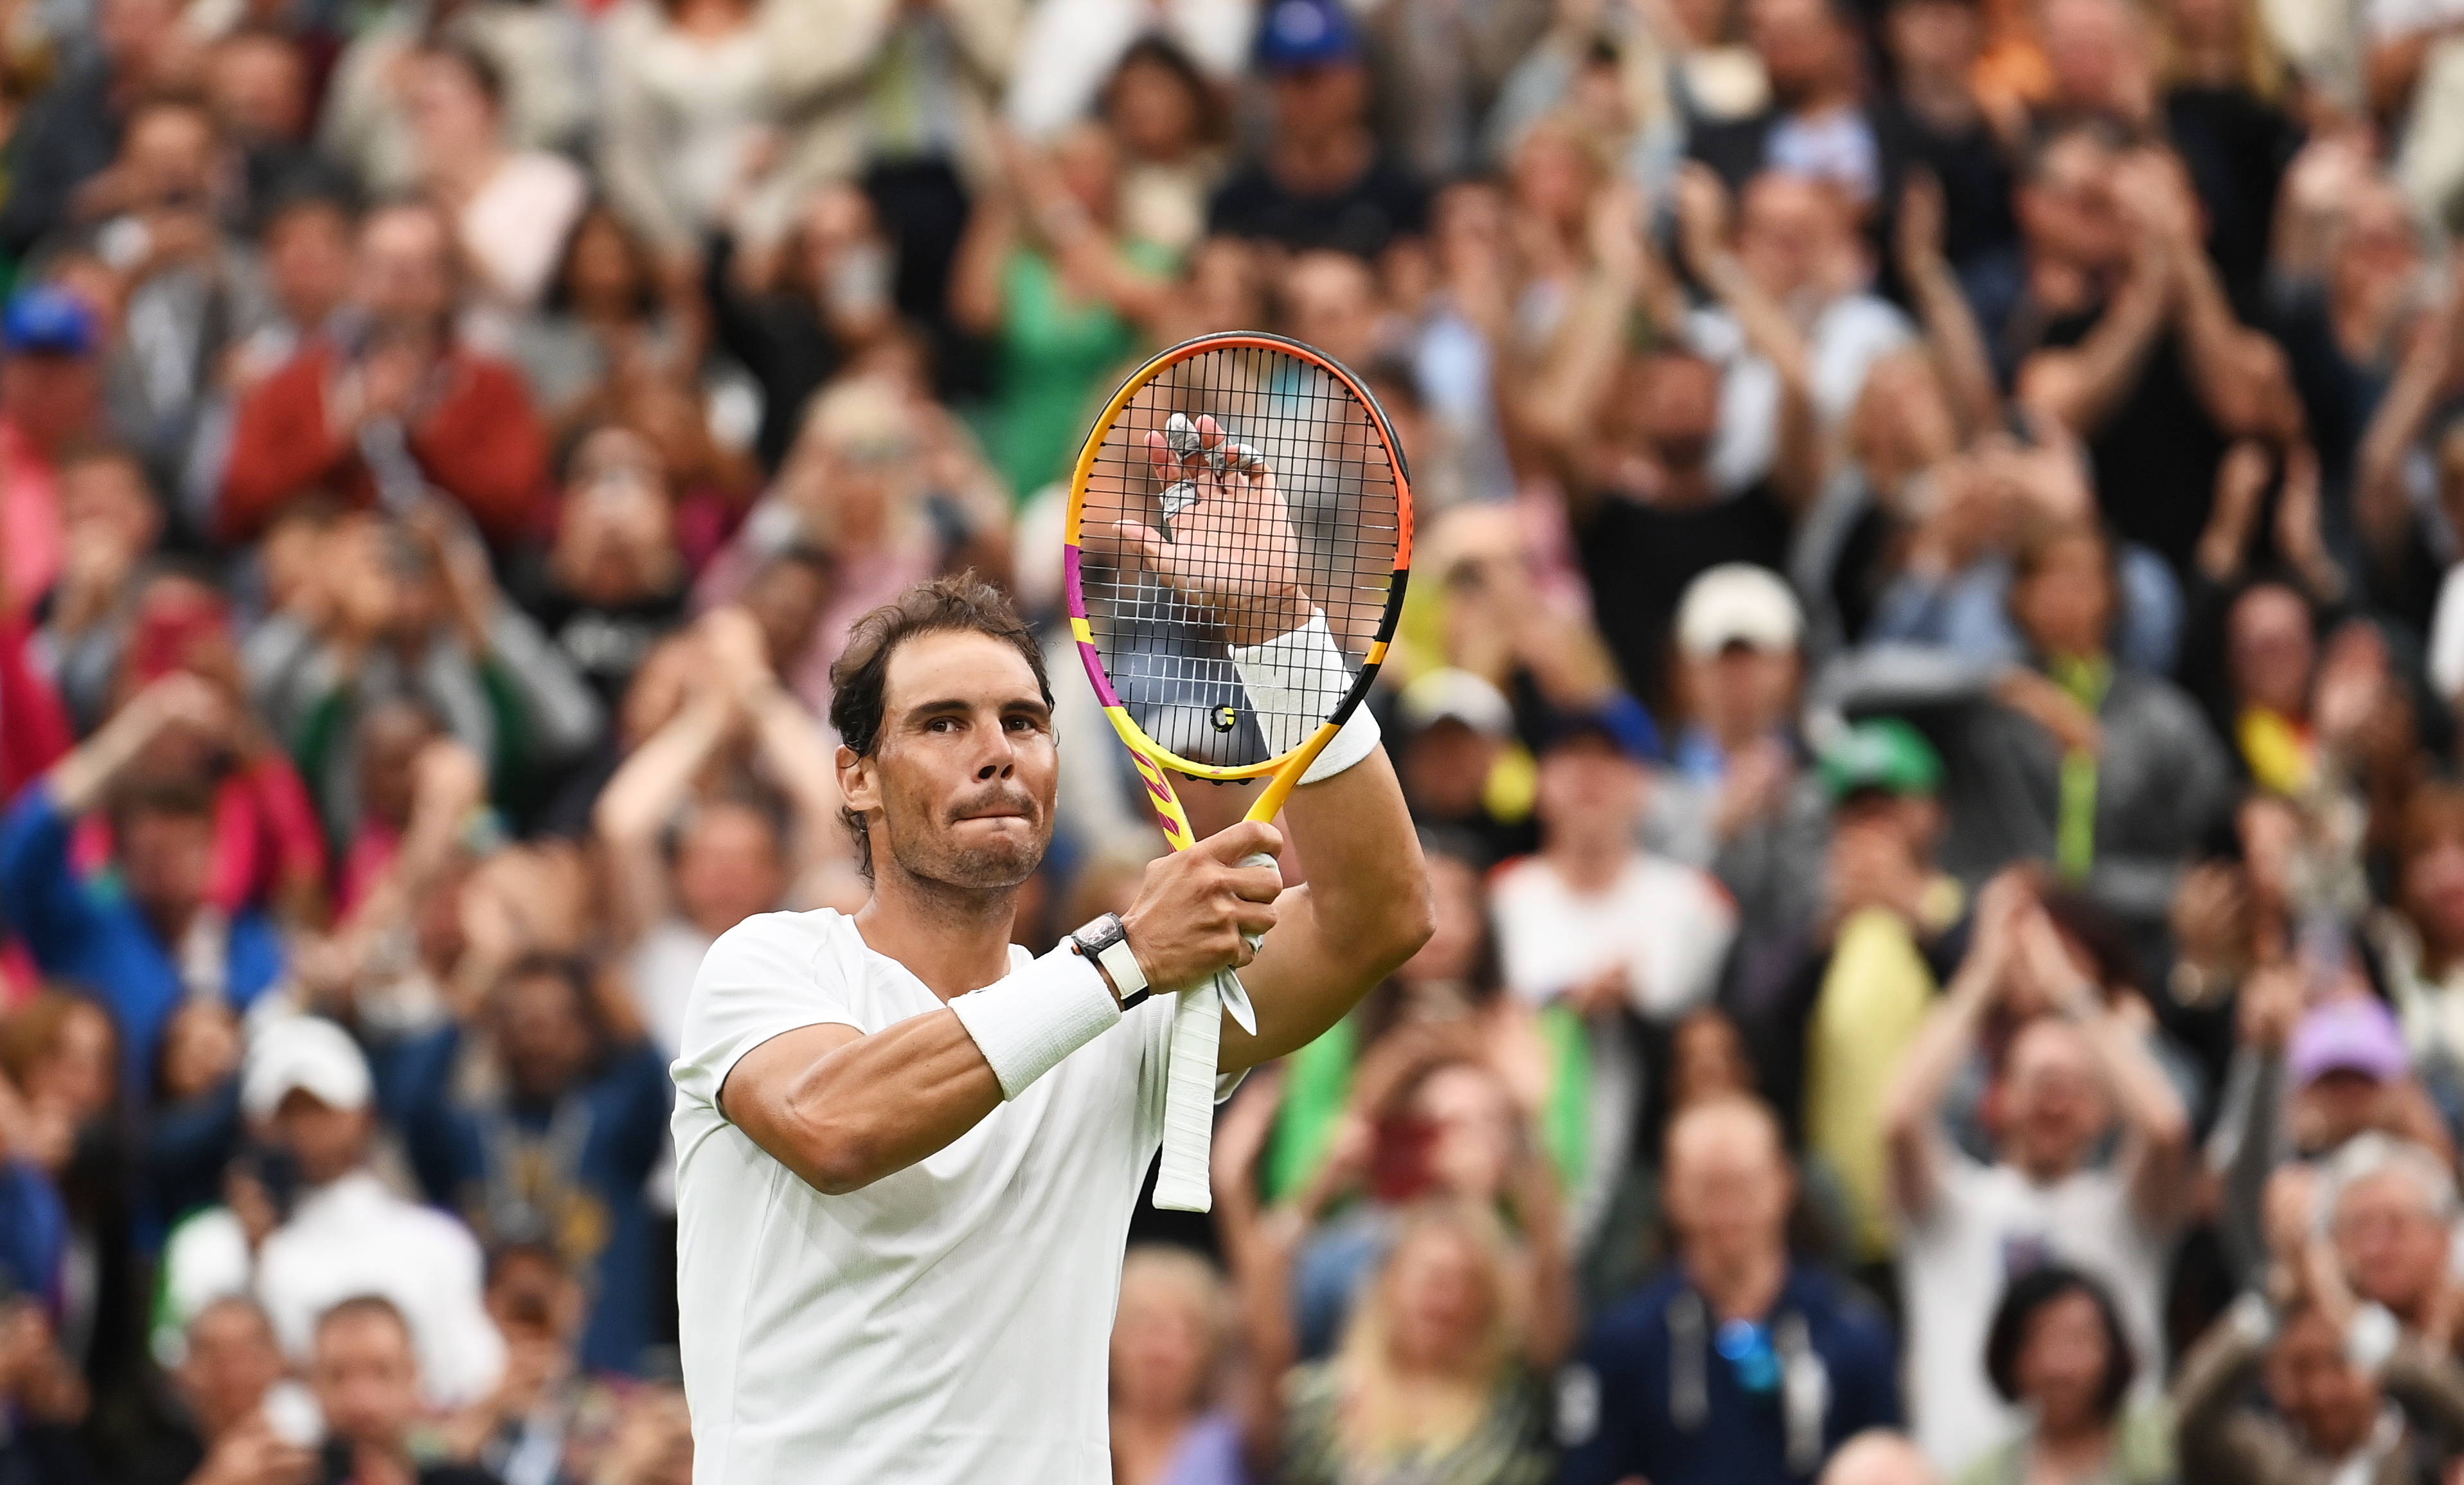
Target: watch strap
column 1123, row 966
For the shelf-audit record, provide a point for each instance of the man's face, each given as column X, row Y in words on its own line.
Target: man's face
column 1743, row 692
column 166, row 858
column 2391, row 1241
column 2065, row 606
column 1312, row 102
column 260, row 89
column 170, row 154
column 1938, row 37
column 728, row 868
column 2068, row 212
column 232, row 1360
column 52, row 397
column 1332, row 301
column 325, row 1141
column 1446, row 768
column 1789, row 229
column 1799, row 42
column 960, row 784
column 1676, row 402
column 308, row 262
column 1471, row 1130
column 2272, row 649
column 2331, row 1399
column 545, row 1038
column 1729, row 1187
column 403, row 277
column 1587, row 786
column 366, row 1380
column 104, row 500
column 2054, row 1106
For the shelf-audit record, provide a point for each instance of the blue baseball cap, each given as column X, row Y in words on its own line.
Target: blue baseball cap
column 48, row 321
column 1617, row 720
column 1303, row 33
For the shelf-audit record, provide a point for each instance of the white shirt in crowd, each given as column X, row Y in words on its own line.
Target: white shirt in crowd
column 344, row 1240
column 1850, row 332
column 1987, row 1226
column 1668, row 924
column 948, row 1324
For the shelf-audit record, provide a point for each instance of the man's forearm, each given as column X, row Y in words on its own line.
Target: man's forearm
column 1364, row 910
column 842, row 1109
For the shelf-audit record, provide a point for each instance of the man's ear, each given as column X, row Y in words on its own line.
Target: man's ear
column 856, row 787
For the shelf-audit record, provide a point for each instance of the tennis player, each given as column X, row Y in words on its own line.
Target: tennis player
column 906, row 1150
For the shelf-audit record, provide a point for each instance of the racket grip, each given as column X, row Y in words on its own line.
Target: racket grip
column 1184, row 1184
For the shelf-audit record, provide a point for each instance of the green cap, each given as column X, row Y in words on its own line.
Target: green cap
column 1885, row 753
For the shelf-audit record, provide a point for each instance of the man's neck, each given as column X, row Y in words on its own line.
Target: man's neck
column 1739, row 1286
column 1589, row 865
column 951, row 939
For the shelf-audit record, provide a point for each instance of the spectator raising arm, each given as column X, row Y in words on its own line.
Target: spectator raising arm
column 1702, row 222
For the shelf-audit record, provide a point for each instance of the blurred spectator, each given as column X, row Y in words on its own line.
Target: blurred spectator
column 2064, row 1082
column 367, row 122
column 1831, row 1007
column 392, row 405
column 226, row 1377
column 527, row 1431
column 1816, row 126
column 2390, row 1208
column 1600, row 932
column 1806, row 1367
column 691, row 853
column 409, row 610
column 1322, row 180
column 63, row 145
column 2104, row 770
column 1048, row 276
column 557, row 1151
column 50, row 396
column 1456, row 731
column 613, row 582
column 1170, row 1341
column 1879, row 1456
column 369, row 1382
column 604, row 322
column 681, row 112
column 795, row 313
column 2056, row 1348
column 146, row 935
column 1440, row 1363
column 309, row 1226
column 2349, row 1395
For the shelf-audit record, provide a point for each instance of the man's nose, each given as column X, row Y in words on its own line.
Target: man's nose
column 999, row 760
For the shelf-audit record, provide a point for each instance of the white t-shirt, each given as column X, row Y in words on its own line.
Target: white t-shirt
column 1850, row 332
column 1667, row 924
column 949, row 1324
column 354, row 1237
column 1989, row 1225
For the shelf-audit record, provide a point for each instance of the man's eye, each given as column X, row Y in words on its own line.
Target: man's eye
column 1025, row 724
column 942, row 724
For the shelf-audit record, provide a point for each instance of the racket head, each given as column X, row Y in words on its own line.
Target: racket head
column 1160, row 664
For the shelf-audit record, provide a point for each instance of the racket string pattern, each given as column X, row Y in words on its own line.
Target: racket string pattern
column 1334, row 508
column 1226, row 473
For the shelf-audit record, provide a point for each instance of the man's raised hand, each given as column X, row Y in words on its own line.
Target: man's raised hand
column 1226, row 537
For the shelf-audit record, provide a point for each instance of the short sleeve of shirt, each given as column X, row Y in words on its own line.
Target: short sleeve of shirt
column 765, row 977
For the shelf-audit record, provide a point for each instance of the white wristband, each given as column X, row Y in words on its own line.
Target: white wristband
column 1295, row 683
column 1026, row 1024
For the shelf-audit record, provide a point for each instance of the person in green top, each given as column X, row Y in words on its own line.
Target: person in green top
column 1045, row 274
column 2058, row 1347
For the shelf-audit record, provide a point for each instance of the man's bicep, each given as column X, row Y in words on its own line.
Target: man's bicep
column 758, row 1090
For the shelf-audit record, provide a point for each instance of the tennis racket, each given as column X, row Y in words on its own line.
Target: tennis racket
column 1223, row 470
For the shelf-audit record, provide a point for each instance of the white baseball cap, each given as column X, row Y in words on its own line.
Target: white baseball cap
column 308, row 1054
column 1462, row 696
column 1737, row 603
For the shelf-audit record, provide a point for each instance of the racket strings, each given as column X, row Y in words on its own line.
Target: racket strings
column 1337, row 523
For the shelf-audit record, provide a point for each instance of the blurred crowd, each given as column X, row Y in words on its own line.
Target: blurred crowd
column 1930, row 685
